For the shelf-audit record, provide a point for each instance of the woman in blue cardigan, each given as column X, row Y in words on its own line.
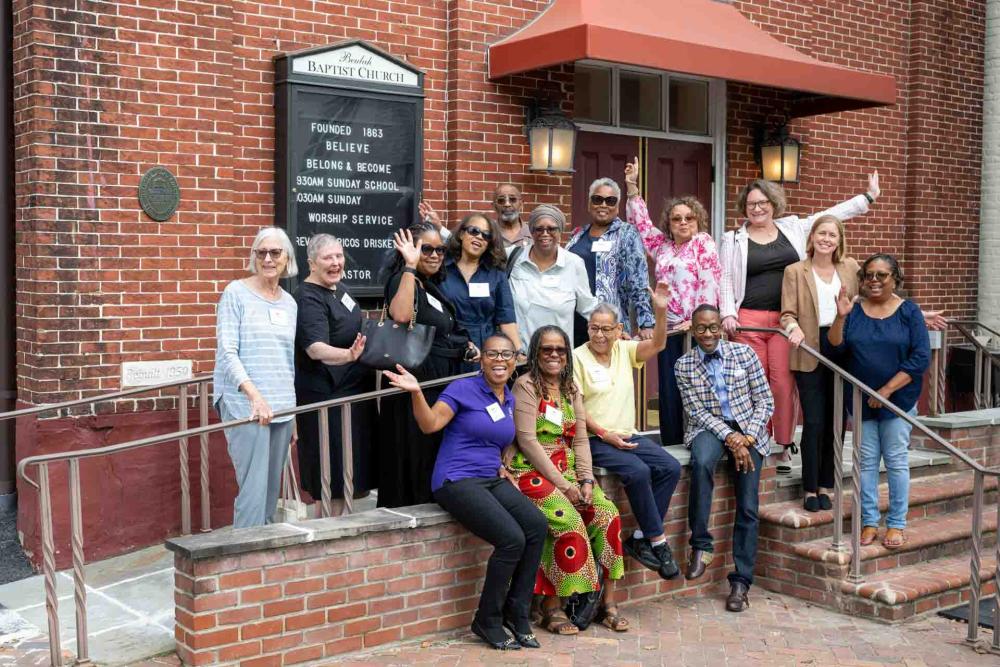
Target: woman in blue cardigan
column 886, row 338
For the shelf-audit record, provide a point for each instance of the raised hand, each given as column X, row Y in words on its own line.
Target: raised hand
column 844, row 304
column 660, row 296
column 428, row 214
column 632, row 172
column 357, row 347
column 873, row 190
column 402, row 380
column 407, row 247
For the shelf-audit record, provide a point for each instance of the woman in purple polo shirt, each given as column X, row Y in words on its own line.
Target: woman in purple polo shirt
column 471, row 483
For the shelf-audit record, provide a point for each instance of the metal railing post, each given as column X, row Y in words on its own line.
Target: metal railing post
column 182, row 448
column 79, row 576
column 856, row 521
column 977, row 382
column 206, row 499
column 942, row 376
column 49, row 564
column 838, row 465
column 326, row 498
column 976, row 561
column 987, row 379
column 347, row 456
column 935, row 380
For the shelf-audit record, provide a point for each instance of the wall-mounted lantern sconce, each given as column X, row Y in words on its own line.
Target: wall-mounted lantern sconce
column 778, row 155
column 552, row 140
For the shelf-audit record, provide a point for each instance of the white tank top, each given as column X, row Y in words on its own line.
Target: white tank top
column 826, row 294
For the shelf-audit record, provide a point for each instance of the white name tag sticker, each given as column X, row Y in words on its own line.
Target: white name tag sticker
column 279, row 317
column 435, row 303
column 347, row 301
column 550, row 281
column 553, row 415
column 600, row 375
column 601, row 246
column 479, row 290
column 495, row 412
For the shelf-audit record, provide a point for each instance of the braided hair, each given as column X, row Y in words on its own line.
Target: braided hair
column 567, row 387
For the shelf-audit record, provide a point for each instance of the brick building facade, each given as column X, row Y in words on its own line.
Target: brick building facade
column 104, row 90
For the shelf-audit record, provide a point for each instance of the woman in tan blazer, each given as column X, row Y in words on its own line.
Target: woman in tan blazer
column 808, row 307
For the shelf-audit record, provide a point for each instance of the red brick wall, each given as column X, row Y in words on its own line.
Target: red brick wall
column 308, row 601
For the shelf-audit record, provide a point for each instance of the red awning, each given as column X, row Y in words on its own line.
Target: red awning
column 702, row 37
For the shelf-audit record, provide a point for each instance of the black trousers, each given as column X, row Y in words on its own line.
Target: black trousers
column 816, row 397
column 494, row 510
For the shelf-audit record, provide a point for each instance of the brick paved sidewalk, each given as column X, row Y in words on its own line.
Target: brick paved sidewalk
column 776, row 630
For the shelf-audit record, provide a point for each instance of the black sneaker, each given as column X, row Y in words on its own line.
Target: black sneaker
column 642, row 551
column 668, row 566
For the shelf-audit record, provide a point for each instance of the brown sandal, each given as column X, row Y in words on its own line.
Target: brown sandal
column 868, row 535
column 556, row 622
column 894, row 538
column 611, row 619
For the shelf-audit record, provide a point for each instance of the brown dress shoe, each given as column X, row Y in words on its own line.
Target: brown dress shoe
column 739, row 597
column 697, row 563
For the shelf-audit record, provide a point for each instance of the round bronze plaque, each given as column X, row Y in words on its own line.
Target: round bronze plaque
column 159, row 193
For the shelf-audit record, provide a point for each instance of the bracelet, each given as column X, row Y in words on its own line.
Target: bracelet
column 871, row 200
column 408, row 269
column 600, row 433
column 586, row 481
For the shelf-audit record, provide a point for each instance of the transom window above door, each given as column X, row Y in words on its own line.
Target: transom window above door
column 644, row 100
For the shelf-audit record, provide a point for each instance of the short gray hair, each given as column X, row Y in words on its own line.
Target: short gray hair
column 317, row 242
column 605, row 308
column 291, row 268
column 609, row 182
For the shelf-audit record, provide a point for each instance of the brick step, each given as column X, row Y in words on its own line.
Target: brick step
column 926, row 539
column 929, row 496
column 920, row 588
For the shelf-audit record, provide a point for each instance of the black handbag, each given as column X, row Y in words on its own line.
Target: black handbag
column 389, row 343
column 582, row 608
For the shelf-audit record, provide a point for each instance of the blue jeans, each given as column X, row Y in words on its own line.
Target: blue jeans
column 706, row 450
column 889, row 440
column 648, row 474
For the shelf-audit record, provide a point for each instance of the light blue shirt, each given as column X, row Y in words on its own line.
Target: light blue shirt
column 714, row 368
column 256, row 342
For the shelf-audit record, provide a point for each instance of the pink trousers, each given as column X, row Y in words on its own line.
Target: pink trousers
column 773, row 351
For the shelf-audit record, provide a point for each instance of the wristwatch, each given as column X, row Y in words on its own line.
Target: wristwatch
column 586, row 481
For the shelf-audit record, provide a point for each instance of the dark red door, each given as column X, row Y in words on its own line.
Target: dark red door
column 676, row 168
column 598, row 156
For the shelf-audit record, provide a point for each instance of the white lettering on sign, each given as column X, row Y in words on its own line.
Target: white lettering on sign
column 355, row 62
column 145, row 373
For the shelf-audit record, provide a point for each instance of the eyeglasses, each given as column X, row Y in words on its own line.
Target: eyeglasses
column 275, row 253
column 877, row 276
column 507, row 199
column 428, row 250
column 762, row 204
column 505, row 355
column 552, row 350
column 702, row 328
column 542, row 231
column 683, row 218
column 476, row 231
column 597, row 200
column 607, row 331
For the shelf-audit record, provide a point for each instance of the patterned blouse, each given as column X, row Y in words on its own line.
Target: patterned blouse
column 692, row 269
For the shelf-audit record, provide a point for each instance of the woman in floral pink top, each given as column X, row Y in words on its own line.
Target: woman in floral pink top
column 687, row 260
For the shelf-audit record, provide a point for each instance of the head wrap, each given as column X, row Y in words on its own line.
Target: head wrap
column 546, row 211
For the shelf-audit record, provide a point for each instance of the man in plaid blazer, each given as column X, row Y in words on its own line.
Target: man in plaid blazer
column 728, row 404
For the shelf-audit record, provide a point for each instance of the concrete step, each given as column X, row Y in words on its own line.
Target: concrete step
column 920, row 588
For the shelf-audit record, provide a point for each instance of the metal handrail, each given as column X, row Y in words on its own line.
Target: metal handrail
column 979, row 474
column 76, row 515
column 985, row 359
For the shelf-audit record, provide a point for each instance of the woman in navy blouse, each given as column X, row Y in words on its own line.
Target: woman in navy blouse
column 476, row 283
column 889, row 349
column 472, row 484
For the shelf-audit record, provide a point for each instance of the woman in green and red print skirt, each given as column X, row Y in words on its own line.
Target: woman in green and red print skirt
column 553, row 469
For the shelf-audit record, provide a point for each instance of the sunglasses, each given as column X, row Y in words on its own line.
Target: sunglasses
column 477, row 232
column 877, row 276
column 542, row 231
column 507, row 199
column 683, row 218
column 552, row 350
column 275, row 253
column 598, row 200
column 504, row 355
column 702, row 328
column 428, row 250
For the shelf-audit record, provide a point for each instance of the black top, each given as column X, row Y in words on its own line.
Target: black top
column 323, row 317
column 765, row 270
column 442, row 320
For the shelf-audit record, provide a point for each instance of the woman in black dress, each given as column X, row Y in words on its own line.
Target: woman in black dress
column 406, row 456
column 328, row 341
